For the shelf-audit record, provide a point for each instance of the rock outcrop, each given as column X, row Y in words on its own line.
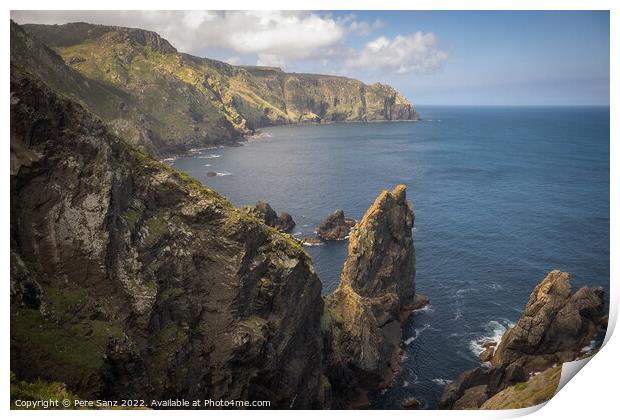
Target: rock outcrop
column 362, row 318
column 335, row 227
column 555, row 325
column 131, row 280
column 554, row 328
column 264, row 212
column 167, row 102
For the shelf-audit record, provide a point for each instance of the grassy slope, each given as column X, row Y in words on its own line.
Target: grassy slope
column 538, row 389
column 185, row 101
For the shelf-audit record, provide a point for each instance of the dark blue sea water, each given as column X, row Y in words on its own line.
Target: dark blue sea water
column 501, row 195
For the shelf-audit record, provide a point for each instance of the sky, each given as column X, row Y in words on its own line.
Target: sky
column 432, row 57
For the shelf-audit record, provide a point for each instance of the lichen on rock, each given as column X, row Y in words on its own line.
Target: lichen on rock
column 362, row 322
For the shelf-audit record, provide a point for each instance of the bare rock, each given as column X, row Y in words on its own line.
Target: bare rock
column 410, row 403
column 554, row 326
column 489, row 350
column 130, row 281
column 362, row 317
column 267, row 214
column 335, row 227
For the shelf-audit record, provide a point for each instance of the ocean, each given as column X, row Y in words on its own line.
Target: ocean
column 502, row 195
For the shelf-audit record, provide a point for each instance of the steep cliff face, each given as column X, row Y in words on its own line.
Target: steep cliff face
column 362, row 319
column 554, row 328
column 130, row 280
column 172, row 101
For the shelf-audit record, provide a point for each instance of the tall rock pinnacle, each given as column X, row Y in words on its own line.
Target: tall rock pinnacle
column 362, row 317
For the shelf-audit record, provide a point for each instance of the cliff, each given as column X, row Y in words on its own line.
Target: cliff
column 554, row 328
column 130, row 280
column 362, row 319
column 165, row 101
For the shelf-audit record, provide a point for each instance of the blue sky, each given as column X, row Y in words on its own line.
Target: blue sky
column 433, row 57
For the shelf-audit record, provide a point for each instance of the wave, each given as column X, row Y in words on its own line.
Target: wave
column 223, row 173
column 207, row 164
column 312, row 244
column 441, row 381
column 416, row 334
column 260, row 135
column 589, row 347
column 494, row 330
column 211, row 156
column 170, row 159
column 458, row 313
column 427, row 308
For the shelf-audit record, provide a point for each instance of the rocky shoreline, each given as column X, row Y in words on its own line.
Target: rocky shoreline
column 554, row 328
column 130, row 279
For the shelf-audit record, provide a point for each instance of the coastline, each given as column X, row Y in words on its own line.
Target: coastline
column 191, row 150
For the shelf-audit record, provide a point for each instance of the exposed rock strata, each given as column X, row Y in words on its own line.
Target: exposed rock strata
column 554, row 328
column 264, row 212
column 362, row 319
column 335, row 227
column 130, row 280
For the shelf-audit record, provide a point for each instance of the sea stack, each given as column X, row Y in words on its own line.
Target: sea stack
column 335, row 227
column 362, row 322
column 554, row 328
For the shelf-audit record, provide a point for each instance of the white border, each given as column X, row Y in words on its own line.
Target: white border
column 590, row 394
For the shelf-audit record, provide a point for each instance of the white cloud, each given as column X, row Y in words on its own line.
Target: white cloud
column 361, row 27
column 274, row 36
column 416, row 53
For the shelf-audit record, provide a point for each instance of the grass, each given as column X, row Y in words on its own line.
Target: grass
column 538, row 389
column 40, row 390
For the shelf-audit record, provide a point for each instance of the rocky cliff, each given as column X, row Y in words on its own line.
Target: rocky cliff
column 165, row 101
column 554, row 328
column 362, row 319
column 555, row 325
column 130, row 280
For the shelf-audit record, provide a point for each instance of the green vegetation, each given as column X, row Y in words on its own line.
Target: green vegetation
column 40, row 390
column 138, row 83
column 157, row 226
column 131, row 216
column 538, row 389
column 67, row 352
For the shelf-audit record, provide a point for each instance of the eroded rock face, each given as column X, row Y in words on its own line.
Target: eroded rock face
column 335, row 227
column 130, row 280
column 362, row 317
column 554, row 327
column 264, row 212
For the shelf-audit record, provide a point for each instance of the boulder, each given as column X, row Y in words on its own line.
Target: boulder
column 309, row 241
column 335, row 227
column 489, row 350
column 410, row 403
